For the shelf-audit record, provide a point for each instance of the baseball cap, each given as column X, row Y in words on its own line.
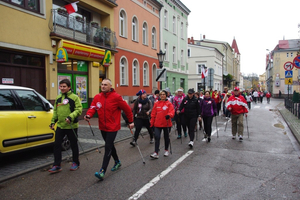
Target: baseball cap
column 236, row 89
column 180, row 90
column 191, row 91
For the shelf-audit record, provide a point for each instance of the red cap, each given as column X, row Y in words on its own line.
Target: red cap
column 236, row 89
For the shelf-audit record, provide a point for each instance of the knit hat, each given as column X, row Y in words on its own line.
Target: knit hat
column 167, row 89
column 140, row 92
column 191, row 91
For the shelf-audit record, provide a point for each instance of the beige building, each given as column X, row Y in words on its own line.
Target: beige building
column 32, row 32
column 285, row 51
column 262, row 82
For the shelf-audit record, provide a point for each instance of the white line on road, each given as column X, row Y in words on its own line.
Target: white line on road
column 155, row 180
column 227, row 121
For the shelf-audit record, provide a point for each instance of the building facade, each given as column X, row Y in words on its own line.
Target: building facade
column 174, row 25
column 199, row 58
column 137, row 25
column 32, row 38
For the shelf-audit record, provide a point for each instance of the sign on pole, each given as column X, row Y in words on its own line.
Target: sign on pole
column 289, row 81
column 296, row 61
column 160, row 74
column 288, row 66
column 288, row 74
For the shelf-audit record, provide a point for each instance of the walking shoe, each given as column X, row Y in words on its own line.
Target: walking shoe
column 179, row 137
column 151, row 141
column 55, row 169
column 191, row 144
column 100, row 174
column 133, row 143
column 166, row 153
column 185, row 134
column 233, row 137
column 116, row 166
column 241, row 138
column 205, row 135
column 154, row 155
column 208, row 139
column 74, row 166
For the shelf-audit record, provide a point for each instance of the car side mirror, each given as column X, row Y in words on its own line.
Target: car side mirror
column 47, row 107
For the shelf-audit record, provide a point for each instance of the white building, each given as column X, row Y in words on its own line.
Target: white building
column 200, row 56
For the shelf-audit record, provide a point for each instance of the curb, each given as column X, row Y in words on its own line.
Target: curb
column 291, row 127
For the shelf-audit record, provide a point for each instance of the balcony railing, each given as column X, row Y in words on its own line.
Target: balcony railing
column 79, row 29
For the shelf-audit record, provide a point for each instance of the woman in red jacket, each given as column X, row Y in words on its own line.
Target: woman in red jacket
column 161, row 115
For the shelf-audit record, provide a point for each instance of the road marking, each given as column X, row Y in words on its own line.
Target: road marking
column 212, row 133
column 256, row 107
column 227, row 121
column 155, row 180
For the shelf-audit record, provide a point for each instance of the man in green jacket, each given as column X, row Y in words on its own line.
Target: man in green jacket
column 67, row 108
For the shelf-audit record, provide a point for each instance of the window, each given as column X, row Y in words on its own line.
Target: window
column 166, row 51
column 123, row 71
column 181, row 58
column 166, row 19
column 182, row 83
column 32, row 5
column 287, row 55
column 200, row 66
column 30, row 100
column 181, row 30
column 174, row 24
column 153, row 38
column 135, row 73
column 7, row 101
column 122, row 25
column 189, row 52
column 174, row 55
column 145, row 74
column 173, row 84
column 291, row 55
column 134, row 29
column 145, row 30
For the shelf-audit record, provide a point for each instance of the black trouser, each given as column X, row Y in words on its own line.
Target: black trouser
column 191, row 123
column 180, row 122
column 261, row 99
column 139, row 123
column 207, row 125
column 254, row 99
column 268, row 100
column 219, row 107
column 110, row 150
column 249, row 105
column 157, row 132
column 59, row 135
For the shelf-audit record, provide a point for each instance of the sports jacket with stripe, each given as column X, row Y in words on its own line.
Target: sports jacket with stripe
column 237, row 104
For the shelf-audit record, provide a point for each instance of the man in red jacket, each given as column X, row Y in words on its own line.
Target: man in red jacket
column 238, row 106
column 108, row 104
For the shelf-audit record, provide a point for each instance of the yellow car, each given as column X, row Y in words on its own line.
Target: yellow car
column 25, row 116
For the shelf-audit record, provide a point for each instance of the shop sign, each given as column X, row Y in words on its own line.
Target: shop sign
column 80, row 51
column 61, row 55
column 7, row 81
column 107, row 59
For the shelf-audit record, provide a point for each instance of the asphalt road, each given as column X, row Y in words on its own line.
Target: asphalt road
column 263, row 166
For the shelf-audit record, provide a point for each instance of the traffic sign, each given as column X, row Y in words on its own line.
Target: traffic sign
column 288, row 74
column 288, row 66
column 288, row 81
column 297, row 61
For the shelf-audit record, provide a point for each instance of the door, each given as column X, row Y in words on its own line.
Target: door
column 13, row 131
column 37, row 118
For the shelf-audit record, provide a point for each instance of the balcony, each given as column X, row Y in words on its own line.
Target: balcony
column 78, row 29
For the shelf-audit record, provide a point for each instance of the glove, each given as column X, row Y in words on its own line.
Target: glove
column 167, row 116
column 52, row 124
column 87, row 116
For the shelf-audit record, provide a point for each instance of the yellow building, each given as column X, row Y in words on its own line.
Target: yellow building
column 32, row 32
column 284, row 52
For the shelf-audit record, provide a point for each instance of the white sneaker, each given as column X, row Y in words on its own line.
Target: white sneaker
column 151, row 141
column 191, row 143
column 154, row 155
column 233, row 137
column 166, row 153
column 241, row 138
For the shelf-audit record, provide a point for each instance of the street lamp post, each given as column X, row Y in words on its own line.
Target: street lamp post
column 161, row 58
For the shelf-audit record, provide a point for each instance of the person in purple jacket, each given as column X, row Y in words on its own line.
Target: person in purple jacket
column 208, row 110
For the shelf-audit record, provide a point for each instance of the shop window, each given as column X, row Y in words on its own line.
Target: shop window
column 20, row 59
column 73, row 65
column 4, row 57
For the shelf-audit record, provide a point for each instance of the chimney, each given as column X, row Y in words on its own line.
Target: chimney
column 189, row 41
column 203, row 36
column 192, row 40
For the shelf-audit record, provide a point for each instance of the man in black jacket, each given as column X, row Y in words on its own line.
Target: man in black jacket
column 191, row 113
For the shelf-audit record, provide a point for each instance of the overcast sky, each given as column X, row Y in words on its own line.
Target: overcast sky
column 257, row 25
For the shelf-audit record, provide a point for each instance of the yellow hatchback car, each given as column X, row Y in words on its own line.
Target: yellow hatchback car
column 25, row 116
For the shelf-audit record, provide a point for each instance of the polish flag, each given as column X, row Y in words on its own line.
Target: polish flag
column 72, row 7
column 204, row 72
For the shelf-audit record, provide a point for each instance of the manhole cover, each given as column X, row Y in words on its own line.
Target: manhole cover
column 272, row 109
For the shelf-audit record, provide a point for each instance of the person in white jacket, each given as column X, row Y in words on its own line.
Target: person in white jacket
column 255, row 95
column 249, row 100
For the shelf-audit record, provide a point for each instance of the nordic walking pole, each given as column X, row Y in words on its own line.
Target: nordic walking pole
column 247, row 126
column 69, row 157
column 169, row 137
column 226, row 125
column 94, row 136
column 78, row 141
column 217, row 127
column 127, row 122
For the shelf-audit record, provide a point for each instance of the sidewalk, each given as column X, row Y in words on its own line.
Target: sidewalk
column 94, row 122
column 292, row 121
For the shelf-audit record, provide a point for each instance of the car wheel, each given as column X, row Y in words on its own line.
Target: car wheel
column 65, row 143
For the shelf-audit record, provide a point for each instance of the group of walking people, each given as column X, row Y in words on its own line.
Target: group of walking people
column 155, row 113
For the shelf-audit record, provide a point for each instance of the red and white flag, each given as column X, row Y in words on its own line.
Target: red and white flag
column 204, row 72
column 72, row 7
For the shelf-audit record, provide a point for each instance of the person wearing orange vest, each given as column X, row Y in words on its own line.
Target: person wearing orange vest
column 237, row 105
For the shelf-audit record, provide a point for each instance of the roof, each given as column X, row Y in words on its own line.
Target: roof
column 289, row 44
column 235, row 47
